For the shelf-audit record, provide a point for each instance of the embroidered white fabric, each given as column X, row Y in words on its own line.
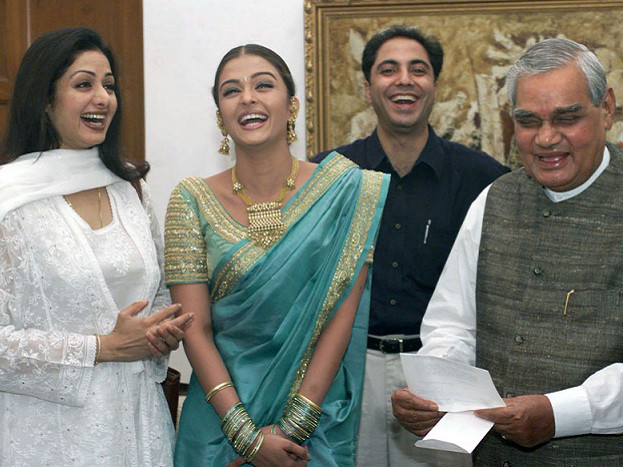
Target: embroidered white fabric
column 56, row 408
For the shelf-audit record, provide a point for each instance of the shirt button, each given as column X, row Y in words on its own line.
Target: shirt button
column 547, row 213
column 392, row 302
column 399, row 187
column 509, row 395
column 395, row 264
column 518, row 339
column 398, row 226
column 538, row 271
column 506, row 464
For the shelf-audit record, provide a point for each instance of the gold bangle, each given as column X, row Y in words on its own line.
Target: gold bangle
column 256, row 447
column 309, row 402
column 217, row 388
column 98, row 349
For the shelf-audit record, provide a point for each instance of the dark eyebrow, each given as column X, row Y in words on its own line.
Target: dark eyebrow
column 82, row 71
column 568, row 110
column 417, row 61
column 519, row 113
column 254, row 75
column 88, row 72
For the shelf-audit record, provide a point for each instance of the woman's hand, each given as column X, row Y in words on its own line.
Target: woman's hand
column 166, row 336
column 277, row 451
column 135, row 338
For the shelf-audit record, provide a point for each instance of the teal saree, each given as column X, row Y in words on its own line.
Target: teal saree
column 269, row 307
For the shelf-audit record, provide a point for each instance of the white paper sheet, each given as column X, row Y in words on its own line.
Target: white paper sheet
column 454, row 387
column 457, row 389
column 456, row 431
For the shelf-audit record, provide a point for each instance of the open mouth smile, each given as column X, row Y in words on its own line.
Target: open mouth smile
column 552, row 159
column 252, row 120
column 94, row 120
column 403, row 99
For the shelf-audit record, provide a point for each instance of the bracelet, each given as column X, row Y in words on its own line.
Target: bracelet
column 217, row 388
column 98, row 349
column 300, row 418
column 256, row 448
column 241, row 432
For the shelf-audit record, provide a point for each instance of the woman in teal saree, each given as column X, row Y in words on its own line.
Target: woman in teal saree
column 281, row 297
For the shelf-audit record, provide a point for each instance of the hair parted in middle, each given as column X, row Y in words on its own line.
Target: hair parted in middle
column 431, row 45
column 259, row 50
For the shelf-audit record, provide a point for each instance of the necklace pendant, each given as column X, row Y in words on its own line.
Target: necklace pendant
column 265, row 223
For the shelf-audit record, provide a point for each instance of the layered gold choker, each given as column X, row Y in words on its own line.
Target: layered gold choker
column 265, row 219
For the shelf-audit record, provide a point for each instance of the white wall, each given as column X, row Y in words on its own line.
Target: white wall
column 184, row 41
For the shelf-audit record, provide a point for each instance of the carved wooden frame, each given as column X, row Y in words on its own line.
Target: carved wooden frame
column 320, row 15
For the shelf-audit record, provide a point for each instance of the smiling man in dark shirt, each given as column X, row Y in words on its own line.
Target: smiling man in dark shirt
column 433, row 183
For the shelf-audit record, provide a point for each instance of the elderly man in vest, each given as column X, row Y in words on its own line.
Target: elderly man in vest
column 533, row 288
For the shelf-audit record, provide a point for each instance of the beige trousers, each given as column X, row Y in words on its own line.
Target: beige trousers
column 382, row 441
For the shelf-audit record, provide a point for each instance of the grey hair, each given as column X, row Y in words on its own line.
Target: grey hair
column 553, row 54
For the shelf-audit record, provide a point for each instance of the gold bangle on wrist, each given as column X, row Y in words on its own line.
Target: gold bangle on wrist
column 260, row 439
column 217, row 388
column 300, row 418
column 241, row 432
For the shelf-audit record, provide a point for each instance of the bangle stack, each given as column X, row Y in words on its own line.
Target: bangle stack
column 98, row 349
column 300, row 418
column 241, row 432
column 217, row 388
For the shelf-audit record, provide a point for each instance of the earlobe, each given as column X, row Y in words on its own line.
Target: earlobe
column 609, row 106
column 295, row 102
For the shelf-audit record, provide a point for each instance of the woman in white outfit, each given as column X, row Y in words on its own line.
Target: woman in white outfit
column 79, row 379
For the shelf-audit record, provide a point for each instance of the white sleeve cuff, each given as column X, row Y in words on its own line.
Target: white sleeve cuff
column 91, row 351
column 572, row 412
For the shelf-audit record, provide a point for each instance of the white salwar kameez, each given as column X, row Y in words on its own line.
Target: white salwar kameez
column 60, row 284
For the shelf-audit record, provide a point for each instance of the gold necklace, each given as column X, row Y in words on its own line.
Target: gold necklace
column 99, row 205
column 265, row 219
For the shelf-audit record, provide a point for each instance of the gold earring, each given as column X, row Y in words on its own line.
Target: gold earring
column 224, row 149
column 294, row 111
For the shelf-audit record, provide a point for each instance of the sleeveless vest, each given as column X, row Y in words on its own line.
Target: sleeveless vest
column 534, row 334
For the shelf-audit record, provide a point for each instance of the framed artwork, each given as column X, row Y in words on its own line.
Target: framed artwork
column 481, row 40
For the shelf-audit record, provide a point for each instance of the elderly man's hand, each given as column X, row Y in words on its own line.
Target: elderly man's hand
column 415, row 414
column 526, row 420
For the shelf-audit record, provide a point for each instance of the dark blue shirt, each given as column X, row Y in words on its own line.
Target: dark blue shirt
column 422, row 216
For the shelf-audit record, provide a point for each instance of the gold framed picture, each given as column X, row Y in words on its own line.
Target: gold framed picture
column 481, row 40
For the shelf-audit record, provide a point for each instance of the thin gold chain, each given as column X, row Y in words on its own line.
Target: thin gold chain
column 288, row 185
column 99, row 205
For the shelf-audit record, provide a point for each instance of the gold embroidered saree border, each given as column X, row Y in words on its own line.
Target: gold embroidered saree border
column 353, row 248
column 213, row 211
column 248, row 254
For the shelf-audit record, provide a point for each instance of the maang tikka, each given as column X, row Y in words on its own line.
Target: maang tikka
column 224, row 149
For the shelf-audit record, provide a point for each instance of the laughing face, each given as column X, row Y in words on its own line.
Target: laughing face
column 84, row 102
column 402, row 86
column 254, row 103
column 560, row 134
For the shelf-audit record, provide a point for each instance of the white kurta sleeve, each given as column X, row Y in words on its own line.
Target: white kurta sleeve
column 449, row 325
column 48, row 364
column 596, row 406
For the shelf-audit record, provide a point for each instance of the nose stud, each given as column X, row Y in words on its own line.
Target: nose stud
column 245, row 78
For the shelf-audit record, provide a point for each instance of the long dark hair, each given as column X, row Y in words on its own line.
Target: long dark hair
column 29, row 127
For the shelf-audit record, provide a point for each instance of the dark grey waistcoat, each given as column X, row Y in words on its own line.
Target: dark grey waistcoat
column 533, row 252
